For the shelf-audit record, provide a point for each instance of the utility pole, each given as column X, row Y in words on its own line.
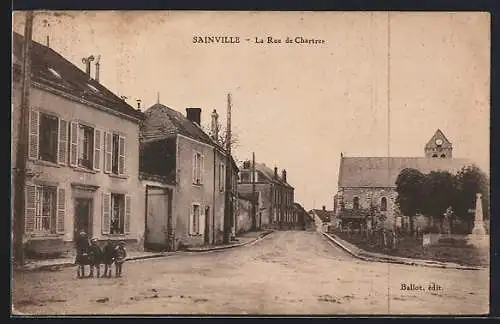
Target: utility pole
column 22, row 144
column 229, row 166
column 254, row 214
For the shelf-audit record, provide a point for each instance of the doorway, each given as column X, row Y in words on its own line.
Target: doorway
column 83, row 216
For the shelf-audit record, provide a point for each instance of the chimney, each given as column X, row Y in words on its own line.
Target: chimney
column 215, row 125
column 86, row 61
column 283, row 175
column 97, row 68
column 194, row 115
column 275, row 173
column 324, row 208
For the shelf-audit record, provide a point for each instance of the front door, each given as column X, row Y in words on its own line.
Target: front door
column 83, row 216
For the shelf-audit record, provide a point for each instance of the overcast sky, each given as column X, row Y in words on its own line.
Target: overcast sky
column 298, row 106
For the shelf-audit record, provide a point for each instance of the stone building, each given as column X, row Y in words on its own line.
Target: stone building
column 83, row 148
column 276, row 193
column 367, row 185
column 175, row 147
column 244, row 216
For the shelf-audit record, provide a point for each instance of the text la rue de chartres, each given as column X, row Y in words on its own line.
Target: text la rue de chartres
column 255, row 40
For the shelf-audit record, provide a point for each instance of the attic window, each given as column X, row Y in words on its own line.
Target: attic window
column 54, row 72
column 92, row 88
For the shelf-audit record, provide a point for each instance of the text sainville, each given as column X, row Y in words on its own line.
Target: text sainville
column 216, row 39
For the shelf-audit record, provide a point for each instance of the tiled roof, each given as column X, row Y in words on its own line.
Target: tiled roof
column 356, row 172
column 269, row 174
column 324, row 215
column 438, row 134
column 163, row 122
column 51, row 69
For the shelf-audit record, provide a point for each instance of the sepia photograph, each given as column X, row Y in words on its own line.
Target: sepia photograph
column 250, row 163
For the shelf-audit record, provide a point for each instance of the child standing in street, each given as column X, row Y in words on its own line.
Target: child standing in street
column 120, row 255
column 82, row 248
column 95, row 258
column 108, row 257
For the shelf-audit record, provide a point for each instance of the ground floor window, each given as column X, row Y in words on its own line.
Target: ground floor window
column 195, row 228
column 117, row 213
column 45, row 209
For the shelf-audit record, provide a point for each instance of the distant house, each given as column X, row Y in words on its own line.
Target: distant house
column 367, row 185
column 304, row 220
column 322, row 218
column 82, row 156
column 246, row 203
column 277, row 194
column 175, row 148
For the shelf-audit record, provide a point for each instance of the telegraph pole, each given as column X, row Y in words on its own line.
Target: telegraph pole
column 254, row 214
column 228, row 193
column 22, row 144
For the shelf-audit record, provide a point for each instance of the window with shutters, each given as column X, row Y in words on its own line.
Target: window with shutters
column 117, row 223
column 85, row 146
column 48, row 137
column 45, row 210
column 195, row 220
column 198, row 168
column 115, row 154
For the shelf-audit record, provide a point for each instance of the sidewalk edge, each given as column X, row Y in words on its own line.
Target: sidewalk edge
column 365, row 256
column 144, row 257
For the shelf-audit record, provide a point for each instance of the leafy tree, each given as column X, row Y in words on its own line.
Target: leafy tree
column 470, row 181
column 409, row 186
column 439, row 193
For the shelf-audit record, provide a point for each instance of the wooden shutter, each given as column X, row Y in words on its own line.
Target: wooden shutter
column 202, row 167
column 30, row 212
column 73, row 146
column 61, row 210
column 121, row 155
column 106, row 210
column 190, row 221
column 97, row 149
column 34, row 126
column 195, row 162
column 201, row 223
column 128, row 212
column 108, row 153
column 62, row 144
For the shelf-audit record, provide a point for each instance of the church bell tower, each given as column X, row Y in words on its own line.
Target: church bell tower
column 438, row 147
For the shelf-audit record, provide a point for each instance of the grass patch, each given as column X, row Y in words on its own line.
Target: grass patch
column 447, row 250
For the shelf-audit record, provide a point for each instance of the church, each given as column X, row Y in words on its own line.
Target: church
column 371, row 181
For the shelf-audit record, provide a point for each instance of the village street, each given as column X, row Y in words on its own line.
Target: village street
column 290, row 272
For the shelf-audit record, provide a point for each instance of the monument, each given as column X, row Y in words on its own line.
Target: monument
column 478, row 236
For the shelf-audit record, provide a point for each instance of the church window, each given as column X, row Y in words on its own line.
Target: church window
column 383, row 204
column 355, row 203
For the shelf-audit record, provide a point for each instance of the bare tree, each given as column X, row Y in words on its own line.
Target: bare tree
column 222, row 136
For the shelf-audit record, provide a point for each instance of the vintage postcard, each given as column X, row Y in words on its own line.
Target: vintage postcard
column 250, row 163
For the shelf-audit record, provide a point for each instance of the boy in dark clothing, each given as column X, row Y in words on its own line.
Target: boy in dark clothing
column 108, row 257
column 120, row 255
column 82, row 247
column 95, row 257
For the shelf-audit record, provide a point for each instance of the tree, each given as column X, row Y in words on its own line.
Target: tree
column 439, row 193
column 470, row 181
column 409, row 186
column 222, row 139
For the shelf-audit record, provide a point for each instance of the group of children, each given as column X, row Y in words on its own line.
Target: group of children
column 89, row 253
